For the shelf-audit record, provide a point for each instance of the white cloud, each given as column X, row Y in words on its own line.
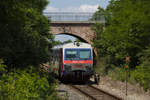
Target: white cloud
column 88, row 8
column 81, row 8
column 52, row 9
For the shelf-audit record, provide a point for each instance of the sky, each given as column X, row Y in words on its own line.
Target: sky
column 74, row 6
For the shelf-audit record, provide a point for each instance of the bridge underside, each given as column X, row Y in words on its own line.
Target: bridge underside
column 81, row 39
column 81, row 30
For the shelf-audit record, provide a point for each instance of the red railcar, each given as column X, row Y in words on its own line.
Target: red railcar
column 73, row 61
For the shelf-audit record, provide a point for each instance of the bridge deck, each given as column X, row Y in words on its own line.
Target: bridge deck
column 70, row 17
column 75, row 22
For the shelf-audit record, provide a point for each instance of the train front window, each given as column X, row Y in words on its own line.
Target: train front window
column 85, row 54
column 71, row 54
column 78, row 54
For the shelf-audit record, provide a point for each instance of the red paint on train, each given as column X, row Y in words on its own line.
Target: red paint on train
column 78, row 62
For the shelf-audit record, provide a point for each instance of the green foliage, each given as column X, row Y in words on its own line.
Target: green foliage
column 98, row 14
column 142, row 75
column 142, row 72
column 78, row 40
column 105, row 65
column 68, row 41
column 28, row 84
column 98, row 28
column 2, row 67
column 118, row 74
column 126, row 33
column 56, row 43
column 24, row 32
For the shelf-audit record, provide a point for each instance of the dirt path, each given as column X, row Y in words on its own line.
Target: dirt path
column 134, row 92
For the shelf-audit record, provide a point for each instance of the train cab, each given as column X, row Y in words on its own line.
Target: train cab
column 74, row 61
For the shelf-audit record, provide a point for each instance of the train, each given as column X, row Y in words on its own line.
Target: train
column 72, row 61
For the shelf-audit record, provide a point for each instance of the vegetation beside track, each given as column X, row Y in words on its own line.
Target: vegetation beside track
column 25, row 43
column 126, row 33
column 26, row 84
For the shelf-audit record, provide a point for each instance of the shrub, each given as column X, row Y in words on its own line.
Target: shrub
column 118, row 74
column 142, row 71
column 105, row 64
column 142, row 75
column 27, row 84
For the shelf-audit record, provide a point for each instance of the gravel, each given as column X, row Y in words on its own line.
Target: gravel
column 67, row 93
column 134, row 92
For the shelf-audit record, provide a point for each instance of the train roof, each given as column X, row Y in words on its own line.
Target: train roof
column 73, row 45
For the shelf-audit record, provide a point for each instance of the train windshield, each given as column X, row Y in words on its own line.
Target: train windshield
column 71, row 54
column 78, row 54
column 84, row 54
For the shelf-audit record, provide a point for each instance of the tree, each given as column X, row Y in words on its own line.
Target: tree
column 99, row 29
column 98, row 14
column 68, row 41
column 127, row 31
column 24, row 32
column 78, row 40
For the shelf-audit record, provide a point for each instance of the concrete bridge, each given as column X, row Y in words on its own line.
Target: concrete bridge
column 74, row 23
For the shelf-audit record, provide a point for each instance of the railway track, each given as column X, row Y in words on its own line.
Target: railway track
column 94, row 93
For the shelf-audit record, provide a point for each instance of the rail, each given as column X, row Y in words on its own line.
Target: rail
column 94, row 93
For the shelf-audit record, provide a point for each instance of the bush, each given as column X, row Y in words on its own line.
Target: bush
column 142, row 75
column 142, row 71
column 118, row 74
column 27, row 84
column 104, row 65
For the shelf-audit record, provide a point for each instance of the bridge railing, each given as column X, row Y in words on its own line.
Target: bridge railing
column 73, row 16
